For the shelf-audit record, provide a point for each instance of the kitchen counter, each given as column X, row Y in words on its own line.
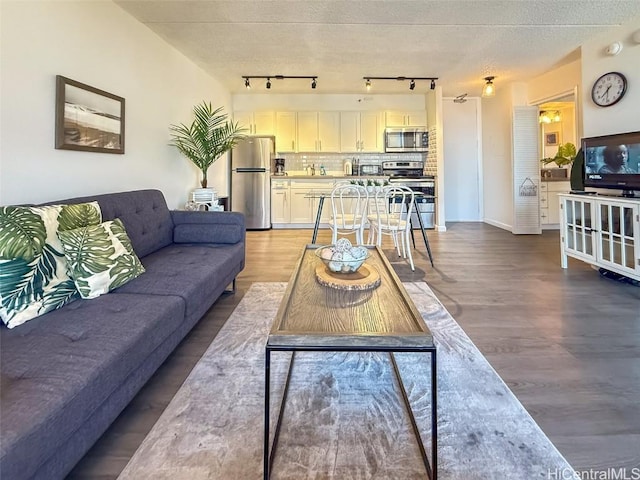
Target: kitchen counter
column 329, row 177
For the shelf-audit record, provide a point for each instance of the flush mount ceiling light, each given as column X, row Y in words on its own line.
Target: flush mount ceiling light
column 412, row 83
column 549, row 116
column 489, row 89
column 247, row 79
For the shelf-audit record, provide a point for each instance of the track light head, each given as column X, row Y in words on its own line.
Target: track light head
column 247, row 83
column 268, row 83
column 368, row 84
column 314, row 83
column 412, row 84
column 433, row 84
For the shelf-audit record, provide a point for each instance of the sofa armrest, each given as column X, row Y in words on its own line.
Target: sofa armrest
column 208, row 227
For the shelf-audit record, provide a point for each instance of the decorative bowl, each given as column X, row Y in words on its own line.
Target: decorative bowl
column 342, row 258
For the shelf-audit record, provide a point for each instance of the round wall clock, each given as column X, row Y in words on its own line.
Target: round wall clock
column 609, row 89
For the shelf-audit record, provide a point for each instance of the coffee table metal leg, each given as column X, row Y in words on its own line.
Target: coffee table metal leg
column 267, row 375
column 434, row 415
column 269, row 454
column 432, row 469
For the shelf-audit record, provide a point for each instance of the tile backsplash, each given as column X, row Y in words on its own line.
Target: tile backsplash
column 334, row 162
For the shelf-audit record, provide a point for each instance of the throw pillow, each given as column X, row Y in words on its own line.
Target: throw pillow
column 33, row 269
column 100, row 257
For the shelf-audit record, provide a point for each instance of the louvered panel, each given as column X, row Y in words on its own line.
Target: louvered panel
column 526, row 171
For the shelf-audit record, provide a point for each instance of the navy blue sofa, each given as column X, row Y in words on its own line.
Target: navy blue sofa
column 67, row 375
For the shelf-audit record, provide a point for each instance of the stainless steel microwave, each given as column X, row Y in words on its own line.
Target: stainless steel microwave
column 410, row 139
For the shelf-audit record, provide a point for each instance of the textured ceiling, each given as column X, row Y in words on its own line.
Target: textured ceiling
column 342, row 41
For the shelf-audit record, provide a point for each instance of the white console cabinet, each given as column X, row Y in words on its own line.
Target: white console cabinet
column 601, row 230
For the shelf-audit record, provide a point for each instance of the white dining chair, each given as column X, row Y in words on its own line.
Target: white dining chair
column 348, row 211
column 393, row 207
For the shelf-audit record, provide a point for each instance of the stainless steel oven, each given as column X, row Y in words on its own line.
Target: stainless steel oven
column 410, row 174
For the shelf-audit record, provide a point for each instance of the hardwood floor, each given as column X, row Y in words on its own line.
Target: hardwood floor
column 567, row 342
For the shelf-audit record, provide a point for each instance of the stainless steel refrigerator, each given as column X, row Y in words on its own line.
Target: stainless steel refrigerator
column 251, row 180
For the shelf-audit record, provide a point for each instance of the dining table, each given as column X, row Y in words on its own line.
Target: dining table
column 322, row 195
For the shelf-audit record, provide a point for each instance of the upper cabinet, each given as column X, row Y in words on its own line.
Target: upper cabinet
column 360, row 132
column 318, row 131
column 256, row 123
column 412, row 118
column 286, row 132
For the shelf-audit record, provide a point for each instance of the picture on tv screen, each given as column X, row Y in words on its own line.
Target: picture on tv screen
column 613, row 159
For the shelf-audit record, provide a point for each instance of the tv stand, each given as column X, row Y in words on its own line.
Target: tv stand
column 602, row 231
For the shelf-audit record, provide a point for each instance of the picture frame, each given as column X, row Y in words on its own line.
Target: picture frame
column 87, row 118
column 551, row 139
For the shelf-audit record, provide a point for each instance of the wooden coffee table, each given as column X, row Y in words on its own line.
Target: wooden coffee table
column 313, row 317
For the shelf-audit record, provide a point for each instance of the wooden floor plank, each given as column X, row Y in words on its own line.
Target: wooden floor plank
column 567, row 342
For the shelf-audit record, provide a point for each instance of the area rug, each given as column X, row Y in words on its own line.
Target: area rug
column 344, row 417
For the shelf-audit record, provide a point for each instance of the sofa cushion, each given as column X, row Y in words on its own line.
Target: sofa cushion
column 144, row 214
column 194, row 272
column 100, row 258
column 84, row 352
column 33, row 269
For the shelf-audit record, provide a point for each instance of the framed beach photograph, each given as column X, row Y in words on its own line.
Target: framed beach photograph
column 551, row 139
column 87, row 118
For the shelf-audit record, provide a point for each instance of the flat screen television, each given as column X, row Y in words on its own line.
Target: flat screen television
column 613, row 161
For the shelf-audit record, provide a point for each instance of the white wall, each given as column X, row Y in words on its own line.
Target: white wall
column 99, row 44
column 625, row 115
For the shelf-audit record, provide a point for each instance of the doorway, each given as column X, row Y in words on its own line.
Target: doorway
column 461, row 155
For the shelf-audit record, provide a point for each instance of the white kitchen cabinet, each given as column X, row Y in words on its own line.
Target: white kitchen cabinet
column 301, row 206
column 302, row 203
column 318, row 131
column 550, row 203
column 411, row 118
column 286, row 133
column 280, row 203
column 360, row 132
column 603, row 231
column 329, row 131
column 256, row 123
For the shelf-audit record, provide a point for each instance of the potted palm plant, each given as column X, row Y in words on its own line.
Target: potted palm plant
column 209, row 136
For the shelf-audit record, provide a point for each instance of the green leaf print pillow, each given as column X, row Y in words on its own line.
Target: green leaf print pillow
column 100, row 258
column 33, row 269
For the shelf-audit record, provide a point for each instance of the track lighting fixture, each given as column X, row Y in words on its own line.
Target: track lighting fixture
column 412, row 81
column 489, row 89
column 247, row 79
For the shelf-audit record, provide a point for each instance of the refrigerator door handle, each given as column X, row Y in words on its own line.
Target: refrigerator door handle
column 250, row 170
